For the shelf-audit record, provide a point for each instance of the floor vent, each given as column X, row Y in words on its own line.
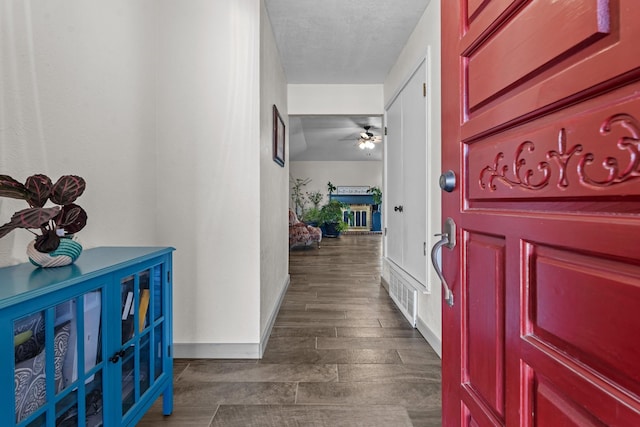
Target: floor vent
column 405, row 297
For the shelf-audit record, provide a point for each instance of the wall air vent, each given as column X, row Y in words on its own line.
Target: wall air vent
column 405, row 297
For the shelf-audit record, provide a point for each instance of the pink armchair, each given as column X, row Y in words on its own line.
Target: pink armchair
column 301, row 234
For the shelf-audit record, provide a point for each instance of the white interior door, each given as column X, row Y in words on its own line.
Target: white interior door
column 414, row 140
column 394, row 190
column 406, row 178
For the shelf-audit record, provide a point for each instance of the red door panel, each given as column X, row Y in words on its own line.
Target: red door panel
column 483, row 332
column 518, row 50
column 474, row 6
column 608, row 346
column 542, row 129
column 551, row 408
column 481, row 14
column 469, row 421
column 545, row 56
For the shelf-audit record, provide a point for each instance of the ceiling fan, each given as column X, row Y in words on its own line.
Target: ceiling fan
column 368, row 139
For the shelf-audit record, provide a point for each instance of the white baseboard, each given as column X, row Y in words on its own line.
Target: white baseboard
column 232, row 350
column 216, row 351
column 384, row 283
column 430, row 337
column 264, row 340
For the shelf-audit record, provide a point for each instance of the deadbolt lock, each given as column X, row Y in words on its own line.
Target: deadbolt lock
column 448, row 181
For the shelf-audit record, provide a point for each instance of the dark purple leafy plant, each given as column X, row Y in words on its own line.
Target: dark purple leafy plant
column 53, row 222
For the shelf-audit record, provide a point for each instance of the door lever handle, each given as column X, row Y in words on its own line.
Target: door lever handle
column 449, row 240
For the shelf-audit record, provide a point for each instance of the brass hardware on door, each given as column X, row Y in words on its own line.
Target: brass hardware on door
column 449, row 240
column 448, row 181
column 117, row 356
column 398, row 208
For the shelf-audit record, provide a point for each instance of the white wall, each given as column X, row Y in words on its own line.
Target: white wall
column 339, row 173
column 209, row 172
column 274, row 183
column 425, row 40
column 77, row 96
column 310, row 99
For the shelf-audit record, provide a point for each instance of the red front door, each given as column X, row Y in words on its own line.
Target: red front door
column 541, row 125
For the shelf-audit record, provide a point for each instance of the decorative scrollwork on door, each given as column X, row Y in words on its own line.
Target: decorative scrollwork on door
column 519, row 176
column 522, row 179
column 612, row 164
column 562, row 156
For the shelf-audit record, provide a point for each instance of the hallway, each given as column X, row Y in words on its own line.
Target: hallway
column 340, row 354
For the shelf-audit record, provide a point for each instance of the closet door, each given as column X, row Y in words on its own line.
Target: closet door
column 394, row 190
column 406, row 178
column 414, row 140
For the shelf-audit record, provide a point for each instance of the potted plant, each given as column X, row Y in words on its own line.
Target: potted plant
column 297, row 197
column 315, row 197
column 330, row 188
column 53, row 246
column 312, row 217
column 331, row 219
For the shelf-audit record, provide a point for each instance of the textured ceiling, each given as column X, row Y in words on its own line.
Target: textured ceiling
column 339, row 42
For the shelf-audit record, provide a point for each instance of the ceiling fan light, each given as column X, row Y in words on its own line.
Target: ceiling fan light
column 362, row 145
column 369, row 145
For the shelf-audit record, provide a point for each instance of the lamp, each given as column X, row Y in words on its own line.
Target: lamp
column 366, row 144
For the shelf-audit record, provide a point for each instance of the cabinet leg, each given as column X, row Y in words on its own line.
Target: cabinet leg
column 167, row 400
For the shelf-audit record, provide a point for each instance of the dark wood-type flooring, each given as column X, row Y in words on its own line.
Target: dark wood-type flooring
column 340, row 354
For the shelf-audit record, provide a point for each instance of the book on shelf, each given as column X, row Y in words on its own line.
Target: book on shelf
column 128, row 306
column 144, row 306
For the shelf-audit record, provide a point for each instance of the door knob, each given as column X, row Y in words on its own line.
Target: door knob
column 448, row 181
column 449, row 240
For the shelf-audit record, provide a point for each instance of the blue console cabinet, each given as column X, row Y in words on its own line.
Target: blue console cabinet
column 89, row 344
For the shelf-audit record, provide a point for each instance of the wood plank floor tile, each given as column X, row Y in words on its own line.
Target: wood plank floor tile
column 425, row 418
column 372, row 343
column 201, row 394
column 182, row 416
column 311, row 416
column 423, row 394
column 339, row 323
column 234, row 372
column 378, row 332
column 390, row 373
column 290, row 331
column 351, row 307
column 291, row 343
column 399, row 322
column 303, row 315
column 412, row 356
column 371, row 314
column 331, row 356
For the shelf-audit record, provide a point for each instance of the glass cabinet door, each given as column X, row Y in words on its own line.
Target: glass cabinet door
column 30, row 379
column 58, row 365
column 142, row 321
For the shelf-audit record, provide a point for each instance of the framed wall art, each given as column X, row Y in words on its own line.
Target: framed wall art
column 353, row 190
column 278, row 137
